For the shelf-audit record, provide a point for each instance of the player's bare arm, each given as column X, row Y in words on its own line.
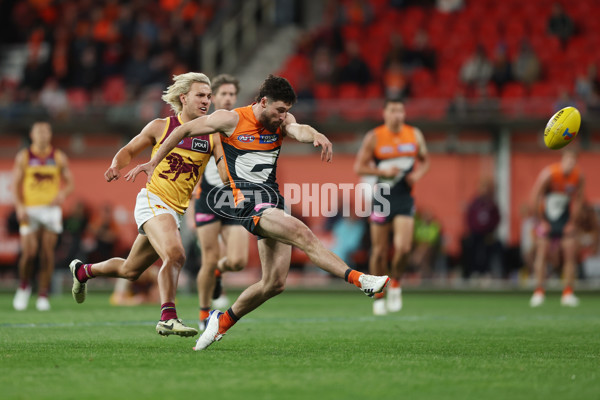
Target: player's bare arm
column 67, row 178
column 17, row 185
column 539, row 188
column 221, row 121
column 364, row 164
column 219, row 157
column 423, row 157
column 146, row 138
column 307, row 134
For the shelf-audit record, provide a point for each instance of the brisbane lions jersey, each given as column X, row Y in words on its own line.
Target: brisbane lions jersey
column 41, row 181
column 177, row 174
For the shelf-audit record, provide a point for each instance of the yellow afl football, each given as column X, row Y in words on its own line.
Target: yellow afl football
column 562, row 128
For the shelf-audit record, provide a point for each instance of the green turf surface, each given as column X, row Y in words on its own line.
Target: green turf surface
column 309, row 345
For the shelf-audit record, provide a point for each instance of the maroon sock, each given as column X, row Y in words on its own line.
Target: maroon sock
column 84, row 272
column 23, row 285
column 43, row 293
column 168, row 311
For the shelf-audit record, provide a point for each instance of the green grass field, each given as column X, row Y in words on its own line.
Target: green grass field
column 309, row 345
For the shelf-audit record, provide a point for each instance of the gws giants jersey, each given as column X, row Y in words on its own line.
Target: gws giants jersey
column 399, row 150
column 251, row 153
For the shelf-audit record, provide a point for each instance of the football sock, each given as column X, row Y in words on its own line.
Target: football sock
column 395, row 283
column 43, row 293
column 227, row 320
column 568, row 290
column 218, row 272
column 84, row 272
column 23, row 285
column 352, row 276
column 379, row 295
column 168, row 311
column 539, row 290
column 204, row 312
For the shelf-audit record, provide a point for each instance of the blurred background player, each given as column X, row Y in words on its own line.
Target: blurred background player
column 212, row 219
column 558, row 197
column 41, row 182
column 390, row 152
column 160, row 205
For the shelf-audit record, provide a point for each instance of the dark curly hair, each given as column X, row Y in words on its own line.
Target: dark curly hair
column 276, row 88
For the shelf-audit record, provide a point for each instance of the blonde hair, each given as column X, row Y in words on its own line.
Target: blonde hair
column 182, row 85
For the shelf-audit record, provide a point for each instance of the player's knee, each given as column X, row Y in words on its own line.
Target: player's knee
column 175, row 258
column 274, row 288
column 237, row 263
column 378, row 251
column 402, row 249
column 131, row 275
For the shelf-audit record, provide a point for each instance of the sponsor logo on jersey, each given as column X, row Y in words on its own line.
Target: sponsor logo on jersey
column 271, row 138
column 245, row 138
column 200, row 145
column 407, row 148
column 386, row 149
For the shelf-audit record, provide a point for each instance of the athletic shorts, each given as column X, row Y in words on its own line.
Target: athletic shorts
column 47, row 217
column 385, row 211
column 206, row 211
column 249, row 212
column 148, row 205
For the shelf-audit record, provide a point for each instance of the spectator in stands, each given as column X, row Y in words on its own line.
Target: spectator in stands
column 588, row 231
column 527, row 65
column 75, row 226
column 560, row 24
column 421, row 54
column 54, row 99
column 397, row 53
column 354, row 69
column 449, row 6
column 426, row 242
column 477, row 70
column 587, row 85
column 502, row 68
column 483, row 218
column 394, row 81
column 85, row 73
column 323, row 65
column 105, row 233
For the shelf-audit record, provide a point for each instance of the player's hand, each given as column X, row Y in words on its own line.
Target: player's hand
column 327, row 147
column 390, row 172
column 59, row 199
column 147, row 168
column 112, row 174
column 21, row 214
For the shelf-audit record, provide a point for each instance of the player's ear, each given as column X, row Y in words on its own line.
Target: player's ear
column 264, row 101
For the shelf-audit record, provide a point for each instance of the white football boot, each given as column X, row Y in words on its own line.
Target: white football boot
column 394, row 299
column 211, row 333
column 379, row 307
column 79, row 289
column 42, row 304
column 175, row 327
column 537, row 299
column 21, row 299
column 569, row 300
column 371, row 284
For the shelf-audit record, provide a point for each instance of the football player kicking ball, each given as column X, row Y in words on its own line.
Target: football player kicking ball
column 160, row 206
column 252, row 138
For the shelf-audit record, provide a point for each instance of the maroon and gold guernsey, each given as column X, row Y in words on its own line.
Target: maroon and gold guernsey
column 41, row 181
column 175, row 177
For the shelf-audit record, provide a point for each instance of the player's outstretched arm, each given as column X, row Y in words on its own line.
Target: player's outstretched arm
column 307, row 134
column 220, row 121
column 146, row 138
